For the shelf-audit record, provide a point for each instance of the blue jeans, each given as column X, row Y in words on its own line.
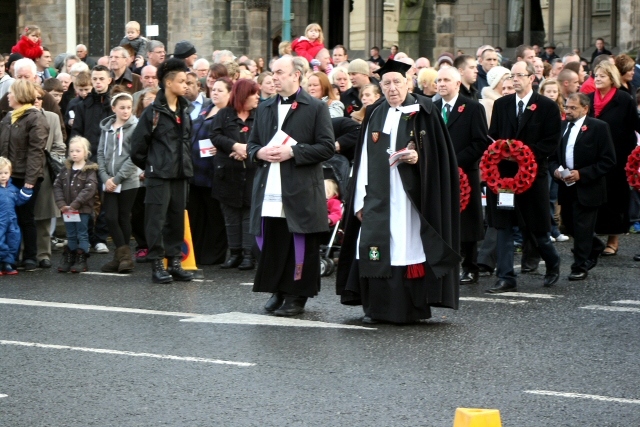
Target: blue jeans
column 78, row 233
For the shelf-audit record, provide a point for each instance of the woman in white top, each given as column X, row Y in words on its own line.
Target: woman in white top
column 490, row 93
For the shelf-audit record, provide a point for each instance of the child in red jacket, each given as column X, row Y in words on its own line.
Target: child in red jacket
column 334, row 205
column 30, row 44
column 310, row 44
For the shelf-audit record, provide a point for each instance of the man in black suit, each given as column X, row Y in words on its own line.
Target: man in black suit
column 534, row 120
column 582, row 160
column 466, row 121
column 289, row 208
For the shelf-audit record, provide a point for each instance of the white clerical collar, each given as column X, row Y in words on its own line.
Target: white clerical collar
column 525, row 99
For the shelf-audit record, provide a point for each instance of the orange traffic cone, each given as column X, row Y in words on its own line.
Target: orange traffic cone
column 188, row 255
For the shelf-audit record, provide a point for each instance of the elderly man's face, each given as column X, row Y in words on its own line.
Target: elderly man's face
column 149, row 76
column 81, row 52
column 285, row 77
column 25, row 73
column 65, row 80
column 394, row 87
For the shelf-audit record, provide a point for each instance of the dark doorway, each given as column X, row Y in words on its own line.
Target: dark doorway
column 9, row 19
column 335, row 35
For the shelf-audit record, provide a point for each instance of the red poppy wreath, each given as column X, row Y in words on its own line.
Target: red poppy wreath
column 513, row 150
column 465, row 190
column 633, row 169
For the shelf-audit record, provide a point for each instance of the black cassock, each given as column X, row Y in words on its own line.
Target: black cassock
column 433, row 189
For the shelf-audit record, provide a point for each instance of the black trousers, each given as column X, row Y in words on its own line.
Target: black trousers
column 117, row 212
column 165, row 201
column 207, row 226
column 137, row 219
column 580, row 223
column 470, row 260
column 98, row 231
column 27, row 222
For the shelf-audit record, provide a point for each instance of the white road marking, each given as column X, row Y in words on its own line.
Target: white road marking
column 626, row 301
column 3, row 395
column 526, row 295
column 609, row 308
column 583, row 396
column 93, row 307
column 246, row 284
column 503, row 301
column 99, row 273
column 258, row 319
column 125, row 353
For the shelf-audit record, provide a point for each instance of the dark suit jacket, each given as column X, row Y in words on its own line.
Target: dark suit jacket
column 593, row 157
column 636, row 76
column 539, row 129
column 303, row 194
column 468, row 130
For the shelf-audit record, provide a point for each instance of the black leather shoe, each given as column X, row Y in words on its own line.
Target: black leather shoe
column 502, row 286
column 248, row 262
column 551, row 278
column 369, row 321
column 292, row 306
column 525, row 270
column 235, row 258
column 275, row 302
column 468, row 278
column 44, row 263
column 636, row 258
column 578, row 275
column 174, row 268
column 158, row 273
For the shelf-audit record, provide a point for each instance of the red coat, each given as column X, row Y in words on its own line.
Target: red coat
column 305, row 47
column 334, row 206
column 27, row 48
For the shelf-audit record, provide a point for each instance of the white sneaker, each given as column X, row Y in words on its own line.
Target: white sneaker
column 101, row 248
column 553, row 239
column 562, row 238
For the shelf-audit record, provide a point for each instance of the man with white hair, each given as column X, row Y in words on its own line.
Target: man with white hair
column 324, row 61
column 223, row 56
column 201, row 68
column 25, row 69
column 467, row 125
column 421, row 63
column 120, row 73
column 570, row 57
column 400, row 251
column 83, row 54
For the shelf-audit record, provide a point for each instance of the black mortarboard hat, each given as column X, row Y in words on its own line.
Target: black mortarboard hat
column 395, row 67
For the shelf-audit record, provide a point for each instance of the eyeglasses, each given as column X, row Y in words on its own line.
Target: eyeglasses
column 116, row 57
column 519, row 75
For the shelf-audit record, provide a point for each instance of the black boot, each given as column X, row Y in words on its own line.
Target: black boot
column 176, row 271
column 275, row 302
column 158, row 273
column 293, row 305
column 68, row 259
column 234, row 259
column 248, row 262
column 81, row 262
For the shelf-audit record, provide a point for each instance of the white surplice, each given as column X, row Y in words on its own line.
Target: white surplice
column 406, row 244
column 272, row 203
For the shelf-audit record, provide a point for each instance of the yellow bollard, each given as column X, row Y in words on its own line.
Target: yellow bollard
column 188, row 256
column 476, row 417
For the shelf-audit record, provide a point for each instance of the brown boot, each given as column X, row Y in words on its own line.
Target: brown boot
column 111, row 266
column 126, row 261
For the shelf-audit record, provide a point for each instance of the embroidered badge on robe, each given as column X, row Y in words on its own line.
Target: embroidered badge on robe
column 375, row 136
column 374, row 255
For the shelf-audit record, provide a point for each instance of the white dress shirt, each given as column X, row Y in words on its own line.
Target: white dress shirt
column 450, row 103
column 197, row 106
column 571, row 142
column 525, row 100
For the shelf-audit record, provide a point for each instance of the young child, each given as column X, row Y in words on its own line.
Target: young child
column 369, row 94
column 10, row 237
column 120, row 177
column 133, row 38
column 334, row 205
column 310, row 44
column 82, row 87
column 30, row 44
column 74, row 191
column 161, row 146
column 54, row 87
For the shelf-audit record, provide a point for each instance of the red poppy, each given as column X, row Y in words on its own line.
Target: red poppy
column 178, row 120
column 515, row 151
column 465, row 189
column 349, row 109
column 632, row 168
column 584, row 128
column 244, row 129
column 461, row 108
column 533, row 107
column 294, row 105
column 129, row 85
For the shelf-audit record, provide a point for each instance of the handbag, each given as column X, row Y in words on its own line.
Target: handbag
column 54, row 165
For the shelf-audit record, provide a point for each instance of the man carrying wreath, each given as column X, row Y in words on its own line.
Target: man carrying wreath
column 535, row 120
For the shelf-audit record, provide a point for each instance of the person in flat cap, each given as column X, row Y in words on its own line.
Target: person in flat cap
column 161, row 146
column 186, row 51
column 549, row 53
column 400, row 254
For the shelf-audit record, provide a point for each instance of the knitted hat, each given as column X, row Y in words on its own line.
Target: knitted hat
column 13, row 58
column 445, row 57
column 495, row 74
column 58, row 63
column 184, row 49
column 359, row 66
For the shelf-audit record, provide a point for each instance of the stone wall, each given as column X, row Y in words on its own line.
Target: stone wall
column 50, row 16
column 476, row 24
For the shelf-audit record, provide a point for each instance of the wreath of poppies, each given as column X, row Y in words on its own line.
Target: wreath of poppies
column 633, row 169
column 465, row 190
column 513, row 150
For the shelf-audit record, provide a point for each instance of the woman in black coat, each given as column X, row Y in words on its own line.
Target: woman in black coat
column 618, row 110
column 233, row 173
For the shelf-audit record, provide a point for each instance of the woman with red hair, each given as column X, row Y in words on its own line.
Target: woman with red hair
column 233, row 173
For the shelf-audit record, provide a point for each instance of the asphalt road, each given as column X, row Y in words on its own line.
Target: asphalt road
column 183, row 360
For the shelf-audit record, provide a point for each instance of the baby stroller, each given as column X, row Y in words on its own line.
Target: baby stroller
column 336, row 168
